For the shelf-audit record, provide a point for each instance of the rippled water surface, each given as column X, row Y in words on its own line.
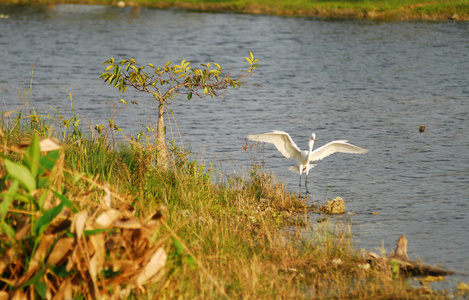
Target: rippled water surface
column 370, row 83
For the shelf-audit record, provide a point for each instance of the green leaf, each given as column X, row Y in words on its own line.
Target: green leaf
column 32, row 155
column 41, row 200
column 48, row 161
column 179, row 247
column 41, row 289
column 94, row 231
column 4, row 227
column 189, row 96
column 60, row 271
column 191, row 262
column 8, row 199
column 65, row 201
column 42, row 182
column 121, row 86
column 33, row 280
column 108, row 68
column 20, row 173
column 43, row 221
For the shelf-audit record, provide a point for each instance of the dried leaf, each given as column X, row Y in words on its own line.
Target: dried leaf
column 107, row 218
column 94, row 267
column 120, row 265
column 4, row 295
column 7, row 259
column 115, row 242
column 97, row 241
column 107, row 197
column 97, row 261
column 155, row 265
column 39, row 256
column 18, row 295
column 129, row 224
column 71, row 259
column 23, row 232
column 49, row 145
column 65, row 289
column 61, row 248
column 78, row 223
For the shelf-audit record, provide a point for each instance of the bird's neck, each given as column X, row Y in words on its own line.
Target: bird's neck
column 310, row 150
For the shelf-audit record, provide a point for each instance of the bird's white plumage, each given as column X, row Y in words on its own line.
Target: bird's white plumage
column 281, row 140
column 333, row 147
column 296, row 169
column 284, row 143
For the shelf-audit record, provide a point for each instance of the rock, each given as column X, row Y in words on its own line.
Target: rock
column 336, row 206
column 454, row 17
column 371, row 14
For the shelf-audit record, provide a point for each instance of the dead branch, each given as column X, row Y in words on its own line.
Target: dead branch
column 405, row 264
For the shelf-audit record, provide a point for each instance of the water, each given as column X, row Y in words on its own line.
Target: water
column 371, row 83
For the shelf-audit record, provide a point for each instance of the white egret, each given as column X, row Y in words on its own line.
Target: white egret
column 289, row 149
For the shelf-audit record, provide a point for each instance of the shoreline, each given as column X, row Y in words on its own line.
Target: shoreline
column 407, row 11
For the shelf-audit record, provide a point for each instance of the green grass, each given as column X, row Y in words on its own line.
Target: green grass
column 224, row 240
column 370, row 9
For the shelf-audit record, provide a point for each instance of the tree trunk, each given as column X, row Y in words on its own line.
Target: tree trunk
column 162, row 154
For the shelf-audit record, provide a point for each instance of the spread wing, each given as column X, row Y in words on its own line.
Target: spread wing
column 333, row 147
column 282, row 142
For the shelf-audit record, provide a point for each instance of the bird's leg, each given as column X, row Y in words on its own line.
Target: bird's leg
column 299, row 185
column 306, row 184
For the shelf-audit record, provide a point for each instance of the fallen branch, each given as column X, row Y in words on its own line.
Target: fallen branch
column 405, row 264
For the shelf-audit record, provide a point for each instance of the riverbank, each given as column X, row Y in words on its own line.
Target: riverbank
column 117, row 219
column 436, row 10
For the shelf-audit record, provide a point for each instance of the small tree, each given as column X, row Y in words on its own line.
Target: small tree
column 169, row 81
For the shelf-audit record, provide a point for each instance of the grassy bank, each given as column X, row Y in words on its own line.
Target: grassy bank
column 236, row 239
column 371, row 9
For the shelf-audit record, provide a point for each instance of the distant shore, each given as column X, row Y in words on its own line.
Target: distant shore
column 392, row 10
